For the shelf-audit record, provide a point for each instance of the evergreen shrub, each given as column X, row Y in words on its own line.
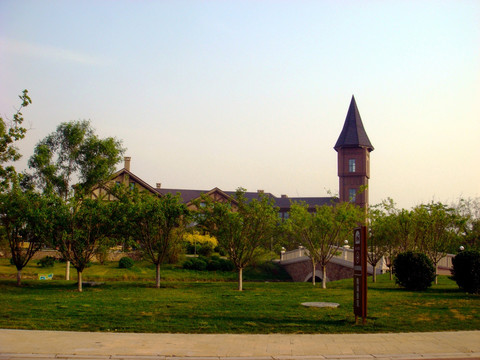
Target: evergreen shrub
column 206, row 249
column 46, row 262
column 466, row 271
column 198, row 264
column 125, row 263
column 414, row 271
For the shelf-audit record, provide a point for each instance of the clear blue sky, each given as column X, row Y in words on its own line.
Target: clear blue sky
column 255, row 93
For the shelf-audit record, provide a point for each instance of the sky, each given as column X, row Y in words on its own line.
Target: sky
column 254, row 94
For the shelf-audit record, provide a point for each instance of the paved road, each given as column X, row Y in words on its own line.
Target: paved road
column 40, row 345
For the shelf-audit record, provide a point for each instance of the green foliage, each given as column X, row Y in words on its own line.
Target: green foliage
column 466, row 271
column 206, row 249
column 46, row 262
column 194, row 263
column 240, row 226
column 323, row 231
column 125, row 263
column 81, row 226
column 26, row 220
column 156, row 223
column 414, row 271
column 436, row 226
column 213, row 263
column 74, row 151
column 10, row 132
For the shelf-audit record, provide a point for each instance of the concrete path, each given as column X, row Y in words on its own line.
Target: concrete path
column 40, row 345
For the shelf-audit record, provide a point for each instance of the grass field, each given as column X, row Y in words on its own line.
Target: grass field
column 141, row 271
column 206, row 306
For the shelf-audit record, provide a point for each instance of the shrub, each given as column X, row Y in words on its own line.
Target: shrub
column 125, row 263
column 206, row 249
column 413, row 270
column 47, row 261
column 195, row 264
column 217, row 264
column 466, row 271
column 220, row 250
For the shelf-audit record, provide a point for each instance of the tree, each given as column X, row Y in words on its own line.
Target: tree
column 437, row 223
column 241, row 227
column 26, row 219
column 323, row 231
column 156, row 224
column 10, row 132
column 469, row 210
column 404, row 235
column 73, row 153
column 381, row 233
column 81, row 227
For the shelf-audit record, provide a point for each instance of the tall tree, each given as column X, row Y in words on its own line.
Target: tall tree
column 73, row 154
column 323, row 231
column 241, row 226
column 11, row 130
column 26, row 219
column 155, row 223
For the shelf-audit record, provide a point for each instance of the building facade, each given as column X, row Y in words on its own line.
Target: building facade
column 353, row 148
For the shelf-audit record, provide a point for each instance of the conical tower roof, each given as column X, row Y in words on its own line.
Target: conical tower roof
column 353, row 133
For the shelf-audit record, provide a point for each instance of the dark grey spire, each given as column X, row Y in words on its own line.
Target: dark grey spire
column 353, row 133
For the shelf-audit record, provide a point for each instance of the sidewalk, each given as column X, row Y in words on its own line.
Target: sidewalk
column 39, row 345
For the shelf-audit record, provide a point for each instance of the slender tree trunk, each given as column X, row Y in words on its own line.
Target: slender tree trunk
column 313, row 272
column 240, row 279
column 324, row 276
column 391, row 273
column 157, row 276
column 67, row 270
column 374, row 275
column 19, row 277
column 80, row 283
column 436, row 274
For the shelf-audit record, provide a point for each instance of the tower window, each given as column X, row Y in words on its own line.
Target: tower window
column 351, row 165
column 352, row 195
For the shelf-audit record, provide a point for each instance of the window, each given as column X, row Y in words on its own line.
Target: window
column 351, row 165
column 352, row 195
column 132, row 185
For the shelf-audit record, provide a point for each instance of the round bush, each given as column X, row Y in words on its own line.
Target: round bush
column 47, row 261
column 466, row 271
column 414, row 271
column 195, row 264
column 125, row 263
column 206, row 249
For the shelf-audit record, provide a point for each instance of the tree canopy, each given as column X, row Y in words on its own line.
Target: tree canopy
column 240, row 226
column 74, row 154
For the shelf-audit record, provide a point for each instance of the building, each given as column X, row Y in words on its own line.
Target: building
column 353, row 148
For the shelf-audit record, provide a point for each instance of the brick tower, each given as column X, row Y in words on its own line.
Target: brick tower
column 353, row 148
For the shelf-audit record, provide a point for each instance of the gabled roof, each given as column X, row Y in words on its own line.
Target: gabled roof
column 282, row 202
column 353, row 133
column 135, row 179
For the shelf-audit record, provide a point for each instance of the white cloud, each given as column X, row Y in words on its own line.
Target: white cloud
column 48, row 52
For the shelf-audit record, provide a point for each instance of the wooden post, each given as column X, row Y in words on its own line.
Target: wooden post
column 360, row 273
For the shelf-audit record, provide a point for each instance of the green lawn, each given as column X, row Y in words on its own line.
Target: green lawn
column 217, row 307
column 141, row 271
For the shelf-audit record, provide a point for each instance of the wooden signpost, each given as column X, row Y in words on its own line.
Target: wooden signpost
column 360, row 273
